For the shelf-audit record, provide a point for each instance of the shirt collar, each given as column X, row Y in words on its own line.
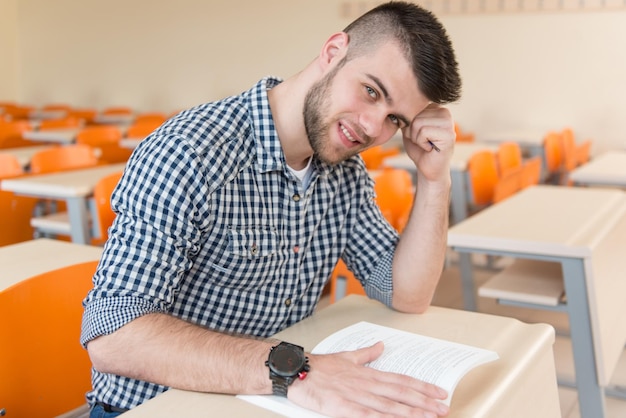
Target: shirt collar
column 270, row 155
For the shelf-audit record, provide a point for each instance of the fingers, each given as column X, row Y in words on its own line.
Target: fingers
column 432, row 129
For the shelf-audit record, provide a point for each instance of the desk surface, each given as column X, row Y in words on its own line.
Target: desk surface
column 607, row 169
column 58, row 136
column 24, row 154
column 491, row 390
column 552, row 220
column 75, row 183
column 462, row 153
column 524, row 138
column 585, row 230
column 30, row 258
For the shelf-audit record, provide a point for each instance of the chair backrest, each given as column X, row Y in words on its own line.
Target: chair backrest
column 508, row 184
column 15, row 211
column 69, row 122
column 553, row 152
column 152, row 117
column 63, row 158
column 142, row 129
column 568, row 146
column 86, row 115
column 11, row 134
column 394, row 195
column 373, row 157
column 482, row 170
column 45, row 371
column 509, row 155
column 98, row 135
column 102, row 197
column 9, row 166
column 583, row 152
column 531, row 172
column 117, row 110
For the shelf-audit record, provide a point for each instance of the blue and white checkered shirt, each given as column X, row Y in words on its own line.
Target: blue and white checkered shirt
column 214, row 228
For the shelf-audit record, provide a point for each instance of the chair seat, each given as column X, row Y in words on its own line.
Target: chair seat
column 527, row 281
column 54, row 223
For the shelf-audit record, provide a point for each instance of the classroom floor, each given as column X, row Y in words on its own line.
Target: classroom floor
column 449, row 295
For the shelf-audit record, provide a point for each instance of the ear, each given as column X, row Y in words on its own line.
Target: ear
column 334, row 48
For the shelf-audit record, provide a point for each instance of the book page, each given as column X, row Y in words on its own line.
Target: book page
column 432, row 360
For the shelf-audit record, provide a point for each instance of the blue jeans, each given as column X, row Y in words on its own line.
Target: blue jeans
column 98, row 412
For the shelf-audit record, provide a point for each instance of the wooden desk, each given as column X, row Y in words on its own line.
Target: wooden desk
column 24, row 154
column 607, row 169
column 584, row 229
column 461, row 190
column 130, row 142
column 57, row 136
column 75, row 187
column 522, row 383
column 27, row 259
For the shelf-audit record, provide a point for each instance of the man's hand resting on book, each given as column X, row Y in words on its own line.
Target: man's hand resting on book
column 341, row 385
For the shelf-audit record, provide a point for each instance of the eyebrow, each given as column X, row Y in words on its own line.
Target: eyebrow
column 388, row 99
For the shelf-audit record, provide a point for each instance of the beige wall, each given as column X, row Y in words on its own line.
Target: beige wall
column 9, row 77
column 530, row 71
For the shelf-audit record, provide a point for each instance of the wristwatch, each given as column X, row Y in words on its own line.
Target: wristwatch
column 286, row 363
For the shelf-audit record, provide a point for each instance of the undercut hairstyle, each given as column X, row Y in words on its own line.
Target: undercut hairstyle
column 421, row 37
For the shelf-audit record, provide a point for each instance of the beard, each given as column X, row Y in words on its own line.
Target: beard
column 316, row 120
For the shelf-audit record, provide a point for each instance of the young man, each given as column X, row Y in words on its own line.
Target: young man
column 232, row 215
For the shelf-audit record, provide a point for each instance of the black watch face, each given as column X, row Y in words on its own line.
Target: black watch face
column 286, row 361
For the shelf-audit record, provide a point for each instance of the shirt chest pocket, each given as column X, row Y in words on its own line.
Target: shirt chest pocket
column 253, row 244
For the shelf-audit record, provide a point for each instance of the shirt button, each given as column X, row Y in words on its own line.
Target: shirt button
column 288, row 302
column 296, row 249
column 296, row 197
column 254, row 249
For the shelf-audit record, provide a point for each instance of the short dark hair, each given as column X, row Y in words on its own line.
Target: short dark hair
column 423, row 39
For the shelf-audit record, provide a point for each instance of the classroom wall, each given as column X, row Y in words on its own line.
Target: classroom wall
column 9, row 75
column 522, row 71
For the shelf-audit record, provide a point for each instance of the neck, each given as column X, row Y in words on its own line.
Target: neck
column 287, row 104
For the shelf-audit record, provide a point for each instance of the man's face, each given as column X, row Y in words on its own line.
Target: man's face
column 361, row 103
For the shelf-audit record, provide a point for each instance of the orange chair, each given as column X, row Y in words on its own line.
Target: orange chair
column 15, row 211
column 553, row 155
column 508, row 184
column 394, row 196
column 583, row 152
column 483, row 175
column 18, row 112
column 45, row 371
column 102, row 197
column 142, row 129
column 373, row 157
column 117, row 110
column 509, row 157
column 10, row 166
column 105, row 140
column 11, row 134
column 463, row 136
column 63, row 158
column 531, row 172
column 153, row 117
column 62, row 123
column 57, row 106
column 86, row 115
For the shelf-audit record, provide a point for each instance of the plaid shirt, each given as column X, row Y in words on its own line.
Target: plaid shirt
column 214, row 228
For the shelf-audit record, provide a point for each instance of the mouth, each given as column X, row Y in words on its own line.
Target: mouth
column 350, row 137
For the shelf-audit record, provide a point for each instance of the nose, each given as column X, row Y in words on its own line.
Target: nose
column 373, row 122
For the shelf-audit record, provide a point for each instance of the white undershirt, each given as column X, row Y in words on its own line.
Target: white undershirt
column 303, row 175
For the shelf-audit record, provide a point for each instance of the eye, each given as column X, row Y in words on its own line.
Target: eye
column 371, row 92
column 394, row 119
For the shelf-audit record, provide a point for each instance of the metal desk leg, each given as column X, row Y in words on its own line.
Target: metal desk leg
column 590, row 394
column 458, row 197
column 467, row 281
column 79, row 220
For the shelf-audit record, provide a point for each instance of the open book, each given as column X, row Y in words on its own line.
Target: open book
column 432, row 360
